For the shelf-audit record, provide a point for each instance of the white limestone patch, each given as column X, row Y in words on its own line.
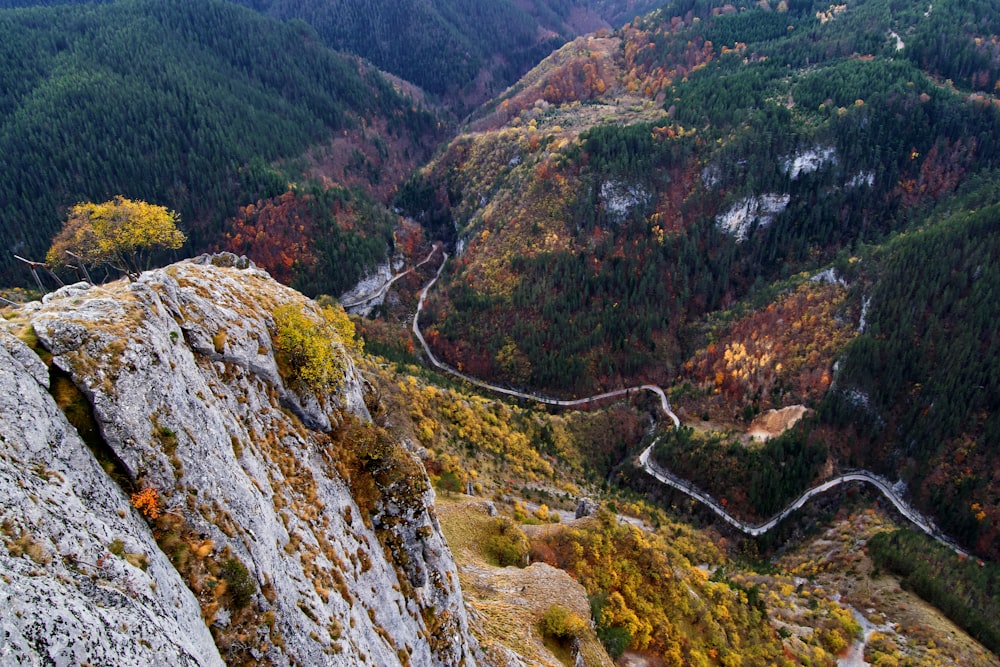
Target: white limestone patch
column 761, row 209
column 620, row 199
column 808, row 161
column 828, row 276
column 862, row 178
column 863, row 320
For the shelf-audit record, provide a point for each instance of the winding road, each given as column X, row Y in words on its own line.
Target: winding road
column 919, row 520
column 664, row 403
column 385, row 288
column 662, row 474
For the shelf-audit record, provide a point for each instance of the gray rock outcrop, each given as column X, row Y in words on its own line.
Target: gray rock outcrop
column 586, row 507
column 188, row 393
column 65, row 598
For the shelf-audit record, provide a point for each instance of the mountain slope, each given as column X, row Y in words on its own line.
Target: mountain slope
column 184, row 105
column 463, row 51
column 919, row 385
column 297, row 531
column 648, row 206
column 460, row 49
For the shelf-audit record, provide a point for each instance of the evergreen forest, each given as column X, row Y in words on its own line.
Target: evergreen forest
column 193, row 105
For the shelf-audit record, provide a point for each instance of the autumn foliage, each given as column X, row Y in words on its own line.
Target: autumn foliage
column 275, row 233
column 311, row 350
column 320, row 240
column 780, row 354
column 653, row 61
column 120, row 233
column 147, row 501
column 646, row 596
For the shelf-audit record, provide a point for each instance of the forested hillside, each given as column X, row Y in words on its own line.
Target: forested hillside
column 189, row 105
column 921, row 385
column 651, row 205
column 462, row 51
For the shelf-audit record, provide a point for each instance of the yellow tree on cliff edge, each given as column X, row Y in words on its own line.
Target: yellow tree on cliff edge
column 121, row 233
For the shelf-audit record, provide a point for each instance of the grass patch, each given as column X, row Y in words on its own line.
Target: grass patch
column 117, row 547
column 29, row 337
column 25, row 544
column 80, row 415
column 469, row 529
column 465, row 525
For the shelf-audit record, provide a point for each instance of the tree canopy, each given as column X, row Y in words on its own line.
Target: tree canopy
column 120, row 233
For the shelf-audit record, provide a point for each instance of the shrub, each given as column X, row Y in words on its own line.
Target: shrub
column 239, row 585
column 508, row 545
column 311, row 353
column 147, row 501
column 561, row 624
column 117, row 547
column 120, row 233
column 449, row 482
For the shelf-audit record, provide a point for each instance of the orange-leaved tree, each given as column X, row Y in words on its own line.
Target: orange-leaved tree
column 120, row 233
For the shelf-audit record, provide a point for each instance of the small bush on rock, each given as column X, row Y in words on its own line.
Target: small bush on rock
column 508, row 545
column 561, row 624
column 239, row 585
column 311, row 353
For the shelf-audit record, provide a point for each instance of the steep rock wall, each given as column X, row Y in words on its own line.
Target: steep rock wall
column 65, row 599
column 185, row 386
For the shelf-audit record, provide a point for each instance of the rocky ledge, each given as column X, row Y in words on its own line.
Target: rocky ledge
column 278, row 525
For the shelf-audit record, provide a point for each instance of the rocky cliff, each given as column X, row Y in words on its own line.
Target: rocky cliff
column 289, row 528
column 65, row 599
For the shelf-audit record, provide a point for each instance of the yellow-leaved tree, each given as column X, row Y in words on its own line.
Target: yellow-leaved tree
column 121, row 233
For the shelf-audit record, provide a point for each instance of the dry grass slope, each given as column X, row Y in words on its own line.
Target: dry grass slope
column 508, row 603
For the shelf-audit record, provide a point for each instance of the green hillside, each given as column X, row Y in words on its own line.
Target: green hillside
column 465, row 51
column 921, row 385
column 182, row 104
column 441, row 46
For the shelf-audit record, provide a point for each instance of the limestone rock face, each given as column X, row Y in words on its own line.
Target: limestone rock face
column 370, row 292
column 65, row 599
column 586, row 507
column 182, row 374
